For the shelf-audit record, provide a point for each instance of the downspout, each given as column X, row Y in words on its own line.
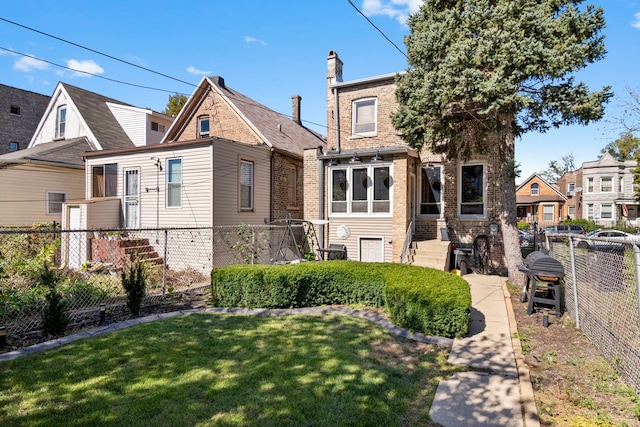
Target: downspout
column 273, row 151
column 320, row 198
column 336, row 118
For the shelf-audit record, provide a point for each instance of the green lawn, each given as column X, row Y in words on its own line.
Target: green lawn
column 212, row 369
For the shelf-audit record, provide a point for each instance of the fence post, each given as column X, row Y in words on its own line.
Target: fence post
column 636, row 253
column 253, row 244
column 572, row 257
column 164, row 264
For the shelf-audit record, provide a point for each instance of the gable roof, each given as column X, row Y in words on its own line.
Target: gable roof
column 67, row 152
column 557, row 196
column 105, row 133
column 274, row 129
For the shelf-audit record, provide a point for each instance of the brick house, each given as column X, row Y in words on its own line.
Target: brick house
column 20, row 113
column 378, row 194
column 570, row 184
column 540, row 202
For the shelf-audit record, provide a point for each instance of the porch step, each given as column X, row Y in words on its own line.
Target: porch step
column 431, row 253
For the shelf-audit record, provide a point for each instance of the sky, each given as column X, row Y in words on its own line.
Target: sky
column 269, row 51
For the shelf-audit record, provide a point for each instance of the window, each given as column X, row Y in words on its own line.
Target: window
column 364, row 117
column 104, row 180
column 61, row 121
column 15, row 109
column 430, row 194
column 606, row 184
column 606, row 212
column 246, row 185
column 292, row 186
column 590, row 211
column 472, row 190
column 174, row 183
column 361, row 190
column 14, row 146
column 589, row 185
column 547, row 213
column 203, row 127
column 572, row 212
column 571, row 187
column 534, row 190
column 155, row 126
column 55, row 201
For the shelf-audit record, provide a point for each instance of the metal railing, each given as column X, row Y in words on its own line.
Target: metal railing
column 601, row 288
column 404, row 259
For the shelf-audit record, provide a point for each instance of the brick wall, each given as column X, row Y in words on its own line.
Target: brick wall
column 19, row 128
column 283, row 207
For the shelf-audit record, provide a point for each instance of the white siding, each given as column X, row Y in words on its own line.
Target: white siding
column 363, row 228
column 23, row 192
column 73, row 128
column 133, row 122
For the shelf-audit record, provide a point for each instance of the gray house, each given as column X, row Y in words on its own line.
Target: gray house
column 20, row 112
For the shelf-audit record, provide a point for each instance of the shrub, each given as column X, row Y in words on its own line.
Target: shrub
column 134, row 283
column 419, row 299
column 55, row 315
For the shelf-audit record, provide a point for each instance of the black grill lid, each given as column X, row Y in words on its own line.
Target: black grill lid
column 540, row 264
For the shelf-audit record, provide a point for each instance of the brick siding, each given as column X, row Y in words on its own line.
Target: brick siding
column 19, row 128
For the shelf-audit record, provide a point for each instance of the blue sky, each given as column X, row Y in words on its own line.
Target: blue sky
column 268, row 50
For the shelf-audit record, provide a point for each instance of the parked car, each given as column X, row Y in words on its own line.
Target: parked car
column 526, row 238
column 565, row 229
column 611, row 236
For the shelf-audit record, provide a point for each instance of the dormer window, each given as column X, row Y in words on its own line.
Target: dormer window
column 203, row 127
column 61, row 121
column 534, row 190
column 364, row 117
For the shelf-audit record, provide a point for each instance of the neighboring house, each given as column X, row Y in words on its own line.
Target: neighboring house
column 50, row 170
column 539, row 202
column 570, row 184
column 608, row 192
column 20, row 112
column 377, row 193
column 226, row 160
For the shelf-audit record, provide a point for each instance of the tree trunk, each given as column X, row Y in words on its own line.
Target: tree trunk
column 507, row 191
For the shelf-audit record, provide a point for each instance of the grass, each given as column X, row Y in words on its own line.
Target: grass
column 213, row 369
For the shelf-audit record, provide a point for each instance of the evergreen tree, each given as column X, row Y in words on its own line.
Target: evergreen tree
column 484, row 72
column 175, row 104
column 626, row 147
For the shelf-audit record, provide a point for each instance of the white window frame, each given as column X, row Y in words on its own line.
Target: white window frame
column 534, row 189
column 571, row 187
column 49, row 201
column 370, row 192
column 251, row 185
column 571, row 211
column 484, row 191
column 602, row 180
column 170, row 185
column 103, row 188
column 590, row 212
column 157, row 127
column 545, row 213
column 590, row 186
column 609, row 213
column 61, row 121
column 354, row 116
column 201, row 120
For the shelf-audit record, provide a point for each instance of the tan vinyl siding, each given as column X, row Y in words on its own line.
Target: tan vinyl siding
column 105, row 214
column 24, row 188
column 363, row 227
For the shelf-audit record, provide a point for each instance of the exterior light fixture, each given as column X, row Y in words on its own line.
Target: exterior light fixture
column 355, row 159
column 103, row 314
column 377, row 158
column 332, row 162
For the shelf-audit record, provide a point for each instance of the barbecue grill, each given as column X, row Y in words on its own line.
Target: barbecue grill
column 543, row 275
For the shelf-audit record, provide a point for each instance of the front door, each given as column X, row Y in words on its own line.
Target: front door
column 132, row 198
column 74, row 238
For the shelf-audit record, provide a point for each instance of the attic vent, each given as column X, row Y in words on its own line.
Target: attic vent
column 279, row 127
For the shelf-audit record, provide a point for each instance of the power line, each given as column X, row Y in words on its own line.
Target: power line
column 379, row 30
column 96, row 51
column 88, row 73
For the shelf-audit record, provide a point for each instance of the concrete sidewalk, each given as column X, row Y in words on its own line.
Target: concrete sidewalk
column 496, row 391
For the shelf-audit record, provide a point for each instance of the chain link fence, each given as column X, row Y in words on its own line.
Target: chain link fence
column 89, row 263
column 601, row 287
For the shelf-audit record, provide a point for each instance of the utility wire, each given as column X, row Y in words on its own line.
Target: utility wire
column 97, row 52
column 379, row 30
column 88, row 73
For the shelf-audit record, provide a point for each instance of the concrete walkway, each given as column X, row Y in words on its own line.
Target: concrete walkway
column 496, row 391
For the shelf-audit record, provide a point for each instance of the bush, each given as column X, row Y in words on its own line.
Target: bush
column 419, row 299
column 55, row 315
column 134, row 283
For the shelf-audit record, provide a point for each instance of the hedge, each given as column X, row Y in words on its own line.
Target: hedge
column 419, row 299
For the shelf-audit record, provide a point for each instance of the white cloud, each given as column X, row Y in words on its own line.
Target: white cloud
column 29, row 63
column 636, row 23
column 194, row 70
column 250, row 40
column 395, row 9
column 81, row 68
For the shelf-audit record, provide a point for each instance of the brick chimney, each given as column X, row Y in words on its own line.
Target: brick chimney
column 295, row 108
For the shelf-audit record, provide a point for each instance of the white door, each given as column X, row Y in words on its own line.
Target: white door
column 74, row 238
column 132, row 198
column 371, row 249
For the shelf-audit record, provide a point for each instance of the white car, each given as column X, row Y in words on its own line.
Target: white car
column 607, row 234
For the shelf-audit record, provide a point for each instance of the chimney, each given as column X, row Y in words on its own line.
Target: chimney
column 334, row 72
column 295, row 108
column 217, row 80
